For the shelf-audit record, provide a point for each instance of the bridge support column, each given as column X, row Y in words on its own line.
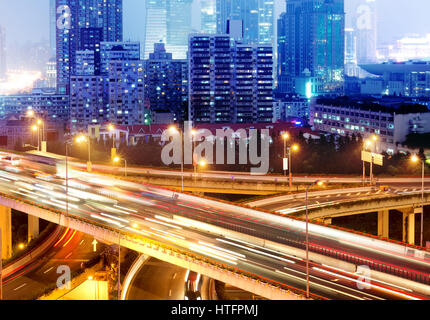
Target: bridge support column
column 383, row 223
column 408, row 230
column 6, row 232
column 33, row 227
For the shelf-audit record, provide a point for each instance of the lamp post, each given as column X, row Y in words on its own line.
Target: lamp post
column 285, row 137
column 82, row 139
column 193, row 134
column 290, row 149
column 320, row 183
column 117, row 160
column 415, row 159
column 35, row 129
column 175, row 130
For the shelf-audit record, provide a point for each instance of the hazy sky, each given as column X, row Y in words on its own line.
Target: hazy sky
column 27, row 20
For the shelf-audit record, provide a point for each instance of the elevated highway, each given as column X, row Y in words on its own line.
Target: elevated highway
column 253, row 250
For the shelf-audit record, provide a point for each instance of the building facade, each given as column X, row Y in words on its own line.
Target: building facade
column 55, row 106
column 166, row 83
column 3, row 67
column 229, row 82
column 311, row 36
column 390, row 124
column 257, row 17
column 73, row 17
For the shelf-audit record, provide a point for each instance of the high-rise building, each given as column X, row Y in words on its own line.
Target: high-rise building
column 116, row 94
column 126, row 93
column 73, row 16
column 88, row 101
column 351, row 65
column 257, row 17
column 110, row 51
column 52, row 26
column 208, row 16
column 166, row 83
column 168, row 21
column 156, row 24
column 365, row 23
column 311, row 38
column 229, row 82
column 3, row 67
column 178, row 22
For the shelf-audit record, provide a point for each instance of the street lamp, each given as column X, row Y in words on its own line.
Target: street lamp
column 193, row 134
column 416, row 159
column 285, row 137
column 117, row 160
column 175, row 130
column 35, row 129
column 294, row 148
column 319, row 183
column 82, row 139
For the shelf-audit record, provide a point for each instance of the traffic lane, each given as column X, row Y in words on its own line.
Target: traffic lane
column 322, row 200
column 344, row 286
column 43, row 272
column 157, row 280
column 233, row 222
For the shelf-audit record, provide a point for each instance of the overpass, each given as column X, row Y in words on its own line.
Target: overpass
column 347, row 202
column 256, row 251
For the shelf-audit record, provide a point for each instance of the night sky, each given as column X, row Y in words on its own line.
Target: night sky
column 27, row 20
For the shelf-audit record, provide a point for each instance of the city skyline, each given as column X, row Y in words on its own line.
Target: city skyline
column 33, row 24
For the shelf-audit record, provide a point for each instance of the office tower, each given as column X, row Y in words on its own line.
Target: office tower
column 311, row 46
column 166, row 83
column 156, row 24
column 351, row 66
column 110, row 51
column 365, row 24
column 52, row 26
column 257, row 17
column 168, row 21
column 3, row 67
column 229, row 82
column 73, row 17
column 178, row 22
column 208, row 16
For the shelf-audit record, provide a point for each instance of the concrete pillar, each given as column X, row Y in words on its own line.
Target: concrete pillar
column 33, row 227
column 411, row 228
column 383, row 223
column 43, row 146
column 328, row 221
column 6, row 232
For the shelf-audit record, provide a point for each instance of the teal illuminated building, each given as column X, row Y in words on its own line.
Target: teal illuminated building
column 311, row 47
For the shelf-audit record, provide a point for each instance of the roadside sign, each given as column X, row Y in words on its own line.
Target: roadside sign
column 285, row 164
column 375, row 158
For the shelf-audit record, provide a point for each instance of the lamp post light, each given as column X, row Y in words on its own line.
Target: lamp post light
column 319, row 183
column 416, row 159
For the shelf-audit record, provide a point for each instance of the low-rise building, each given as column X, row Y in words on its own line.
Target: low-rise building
column 391, row 122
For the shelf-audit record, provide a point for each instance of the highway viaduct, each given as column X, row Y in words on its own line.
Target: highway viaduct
column 408, row 204
column 161, row 251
